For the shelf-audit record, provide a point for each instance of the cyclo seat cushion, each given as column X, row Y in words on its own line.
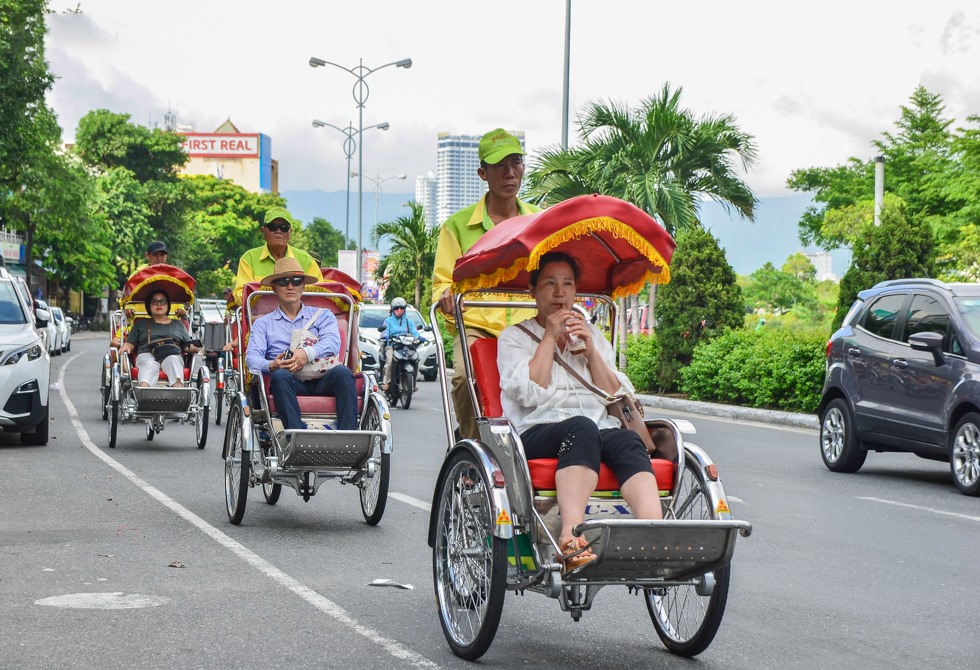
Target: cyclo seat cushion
column 320, row 404
column 487, row 378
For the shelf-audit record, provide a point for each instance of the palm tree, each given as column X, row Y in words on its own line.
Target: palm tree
column 658, row 157
column 413, row 252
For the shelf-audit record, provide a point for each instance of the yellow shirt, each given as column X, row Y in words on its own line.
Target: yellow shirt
column 460, row 232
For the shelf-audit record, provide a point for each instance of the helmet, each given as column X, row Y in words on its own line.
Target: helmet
column 398, row 302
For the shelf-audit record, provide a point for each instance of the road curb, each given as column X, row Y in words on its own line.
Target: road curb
column 791, row 419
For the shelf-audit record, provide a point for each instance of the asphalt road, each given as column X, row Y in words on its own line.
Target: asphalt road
column 124, row 558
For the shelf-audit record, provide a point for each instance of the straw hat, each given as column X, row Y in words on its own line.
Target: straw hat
column 287, row 267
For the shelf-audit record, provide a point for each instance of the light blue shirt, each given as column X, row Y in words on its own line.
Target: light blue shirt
column 396, row 326
column 271, row 334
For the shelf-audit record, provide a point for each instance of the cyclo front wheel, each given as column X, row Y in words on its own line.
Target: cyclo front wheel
column 469, row 564
column 687, row 617
column 237, row 464
column 374, row 490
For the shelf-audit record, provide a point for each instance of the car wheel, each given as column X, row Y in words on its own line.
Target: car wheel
column 964, row 456
column 429, row 376
column 839, row 446
column 40, row 434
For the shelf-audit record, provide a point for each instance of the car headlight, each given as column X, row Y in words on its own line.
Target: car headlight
column 33, row 352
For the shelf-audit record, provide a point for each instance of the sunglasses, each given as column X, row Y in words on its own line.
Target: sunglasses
column 158, row 302
column 278, row 227
column 398, row 309
column 289, row 281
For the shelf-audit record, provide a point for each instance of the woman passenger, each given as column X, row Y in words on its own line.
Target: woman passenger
column 159, row 326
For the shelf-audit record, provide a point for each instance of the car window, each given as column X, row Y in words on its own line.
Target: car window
column 969, row 308
column 371, row 318
column 926, row 315
column 882, row 314
column 417, row 319
column 11, row 310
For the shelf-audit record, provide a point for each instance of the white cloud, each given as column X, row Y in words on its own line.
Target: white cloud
column 814, row 83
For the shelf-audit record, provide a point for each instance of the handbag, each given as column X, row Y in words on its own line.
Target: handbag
column 622, row 406
column 304, row 337
column 162, row 348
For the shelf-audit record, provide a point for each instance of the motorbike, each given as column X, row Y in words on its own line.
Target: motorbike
column 404, row 369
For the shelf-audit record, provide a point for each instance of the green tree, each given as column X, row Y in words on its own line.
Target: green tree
column 900, row 247
column 701, row 300
column 659, row 157
column 919, row 156
column 323, row 241
column 800, row 267
column 412, row 257
column 26, row 80
column 776, row 291
column 221, row 223
column 108, row 143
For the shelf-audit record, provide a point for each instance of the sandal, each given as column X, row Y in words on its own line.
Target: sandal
column 576, row 553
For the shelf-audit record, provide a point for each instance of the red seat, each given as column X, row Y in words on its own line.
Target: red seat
column 487, row 378
column 264, row 303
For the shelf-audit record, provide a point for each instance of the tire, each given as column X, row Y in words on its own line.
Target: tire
column 407, row 388
column 429, row 376
column 685, row 620
column 237, row 465
column 374, row 490
column 201, row 420
column 219, row 401
column 113, row 422
column 105, row 393
column 469, row 564
column 964, row 454
column 272, row 493
column 149, row 431
column 839, row 445
column 40, row 435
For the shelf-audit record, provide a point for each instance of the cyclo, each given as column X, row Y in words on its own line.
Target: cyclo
column 494, row 520
column 257, row 452
column 123, row 401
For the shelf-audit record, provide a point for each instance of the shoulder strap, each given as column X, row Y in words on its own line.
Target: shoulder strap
column 313, row 319
column 587, row 384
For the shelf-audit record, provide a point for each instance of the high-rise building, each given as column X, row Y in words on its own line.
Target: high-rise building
column 457, row 183
column 823, row 263
column 425, row 195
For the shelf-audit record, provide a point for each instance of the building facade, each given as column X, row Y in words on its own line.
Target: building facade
column 244, row 158
column 425, row 195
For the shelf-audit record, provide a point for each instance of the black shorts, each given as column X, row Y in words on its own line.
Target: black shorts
column 578, row 441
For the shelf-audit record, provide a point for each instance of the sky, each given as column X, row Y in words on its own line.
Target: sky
column 814, row 83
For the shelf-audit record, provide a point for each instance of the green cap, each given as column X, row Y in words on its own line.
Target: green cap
column 497, row 145
column 274, row 213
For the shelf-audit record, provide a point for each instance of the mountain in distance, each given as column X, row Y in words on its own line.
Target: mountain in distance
column 748, row 246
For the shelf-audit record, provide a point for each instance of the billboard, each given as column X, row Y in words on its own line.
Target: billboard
column 221, row 145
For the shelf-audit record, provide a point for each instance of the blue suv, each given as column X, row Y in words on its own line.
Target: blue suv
column 903, row 374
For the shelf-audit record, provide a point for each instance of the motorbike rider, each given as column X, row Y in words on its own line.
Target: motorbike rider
column 396, row 324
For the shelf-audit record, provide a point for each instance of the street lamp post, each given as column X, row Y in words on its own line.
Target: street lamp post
column 350, row 145
column 378, row 181
column 361, row 93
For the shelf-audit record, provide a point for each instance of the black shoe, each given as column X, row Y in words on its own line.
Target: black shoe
column 457, row 436
column 265, row 441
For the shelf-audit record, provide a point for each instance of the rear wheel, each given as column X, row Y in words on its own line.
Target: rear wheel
column 272, row 492
column 149, row 431
column 839, row 446
column 469, row 564
column 219, row 400
column 113, row 422
column 687, row 617
column 105, row 392
column 964, row 461
column 237, row 464
column 201, row 420
column 407, row 388
column 374, row 490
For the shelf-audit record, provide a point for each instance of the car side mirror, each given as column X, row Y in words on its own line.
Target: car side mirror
column 41, row 317
column 932, row 342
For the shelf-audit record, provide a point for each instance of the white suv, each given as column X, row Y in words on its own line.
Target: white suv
column 25, row 366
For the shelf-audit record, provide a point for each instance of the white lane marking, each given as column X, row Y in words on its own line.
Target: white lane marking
column 421, row 504
column 323, row 604
column 942, row 512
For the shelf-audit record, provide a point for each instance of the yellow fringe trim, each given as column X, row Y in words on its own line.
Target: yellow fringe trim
column 123, row 301
column 573, row 232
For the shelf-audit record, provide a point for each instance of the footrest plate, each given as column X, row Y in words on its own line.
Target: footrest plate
column 336, row 449
column 163, row 399
column 631, row 549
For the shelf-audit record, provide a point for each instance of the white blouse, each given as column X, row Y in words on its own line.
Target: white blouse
column 527, row 404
